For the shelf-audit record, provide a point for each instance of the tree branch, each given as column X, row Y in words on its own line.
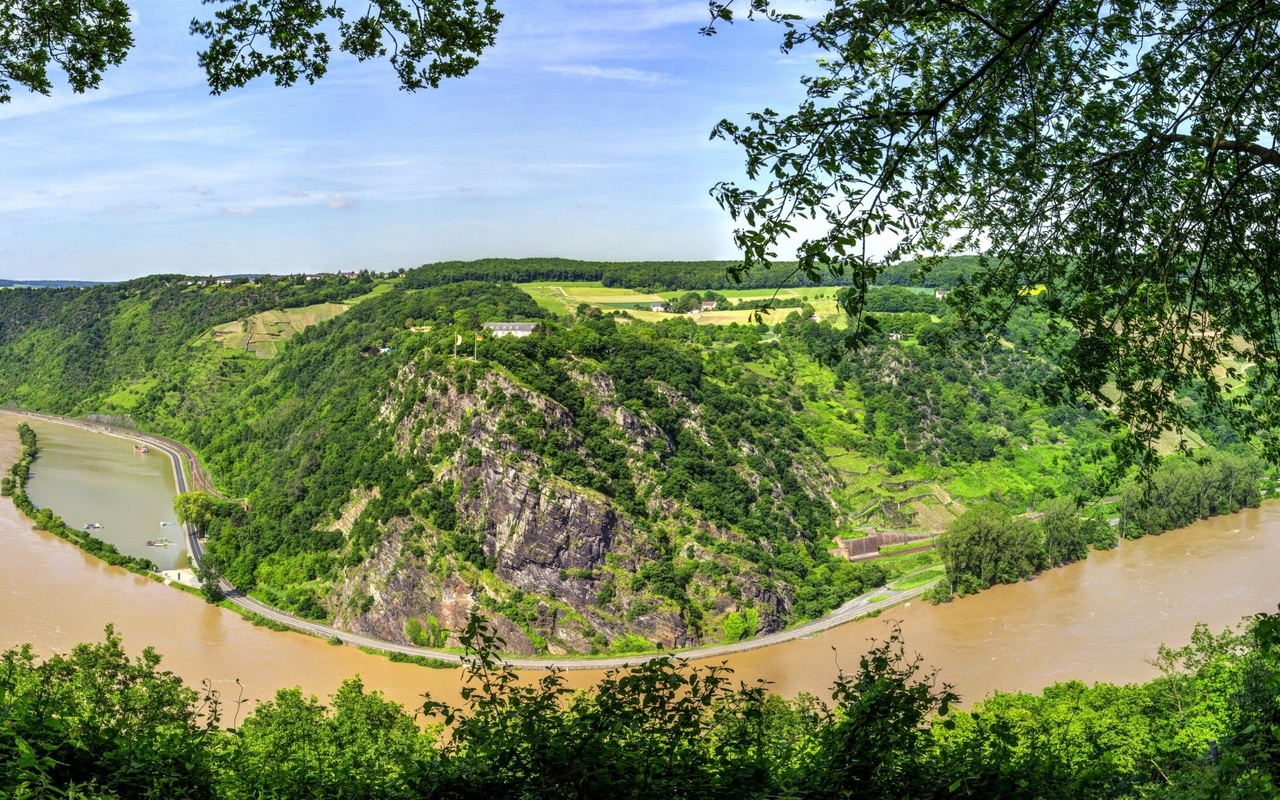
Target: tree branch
column 1267, row 154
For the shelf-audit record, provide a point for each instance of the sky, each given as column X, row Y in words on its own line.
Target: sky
column 584, row 133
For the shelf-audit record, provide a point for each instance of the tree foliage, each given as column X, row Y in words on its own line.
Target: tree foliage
column 641, row 275
column 97, row 724
column 987, row 545
column 424, row 41
column 1123, row 156
column 81, row 40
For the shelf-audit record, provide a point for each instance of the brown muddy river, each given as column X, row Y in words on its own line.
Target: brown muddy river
column 1096, row 621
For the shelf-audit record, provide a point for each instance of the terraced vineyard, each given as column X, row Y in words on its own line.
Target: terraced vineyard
column 263, row 334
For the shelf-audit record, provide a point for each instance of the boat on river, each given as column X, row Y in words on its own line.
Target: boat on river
column 141, row 448
column 93, row 526
column 158, row 543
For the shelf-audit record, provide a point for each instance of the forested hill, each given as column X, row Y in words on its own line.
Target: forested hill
column 603, row 485
column 6, row 283
column 67, row 350
column 652, row 276
column 598, row 486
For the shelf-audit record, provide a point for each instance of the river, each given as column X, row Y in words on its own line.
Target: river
column 1098, row 620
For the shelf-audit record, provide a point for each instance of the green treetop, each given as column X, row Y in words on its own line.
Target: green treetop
column 1121, row 155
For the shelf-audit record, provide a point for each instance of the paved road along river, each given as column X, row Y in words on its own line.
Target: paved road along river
column 1097, row 620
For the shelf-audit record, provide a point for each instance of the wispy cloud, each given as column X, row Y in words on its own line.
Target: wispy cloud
column 594, row 72
column 296, row 193
column 129, row 208
column 237, row 210
column 339, row 201
column 202, row 190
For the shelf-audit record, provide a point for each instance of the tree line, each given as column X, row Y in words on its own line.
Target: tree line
column 988, row 544
column 93, row 723
column 653, row 276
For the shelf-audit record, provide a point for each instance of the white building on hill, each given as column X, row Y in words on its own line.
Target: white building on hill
column 517, row 329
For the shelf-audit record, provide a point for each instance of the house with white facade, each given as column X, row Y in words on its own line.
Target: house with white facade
column 516, row 329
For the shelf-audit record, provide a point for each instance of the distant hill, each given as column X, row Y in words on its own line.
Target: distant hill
column 606, row 484
column 655, row 276
column 24, row 284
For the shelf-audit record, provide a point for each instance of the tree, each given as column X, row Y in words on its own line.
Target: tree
column 1121, row 155
column 425, row 41
column 210, row 581
column 1064, row 536
column 986, row 545
column 195, row 508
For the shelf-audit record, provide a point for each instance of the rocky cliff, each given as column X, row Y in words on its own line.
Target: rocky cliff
column 561, row 565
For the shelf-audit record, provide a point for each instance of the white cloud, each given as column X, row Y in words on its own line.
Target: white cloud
column 202, row 190
column 339, row 201
column 237, row 210
column 591, row 71
column 296, row 193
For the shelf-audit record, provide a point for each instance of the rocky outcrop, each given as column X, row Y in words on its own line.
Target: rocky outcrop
column 559, row 567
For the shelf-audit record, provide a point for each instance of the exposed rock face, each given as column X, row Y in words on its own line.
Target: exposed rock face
column 554, row 564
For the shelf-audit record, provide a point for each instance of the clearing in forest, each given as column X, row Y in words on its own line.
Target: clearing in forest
column 262, row 334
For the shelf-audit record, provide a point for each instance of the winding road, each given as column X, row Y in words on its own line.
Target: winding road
column 182, row 455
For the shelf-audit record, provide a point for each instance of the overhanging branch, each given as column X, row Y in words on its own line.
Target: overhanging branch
column 1267, row 154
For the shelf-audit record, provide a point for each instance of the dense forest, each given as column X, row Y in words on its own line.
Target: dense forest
column 661, row 276
column 65, row 346
column 95, row 724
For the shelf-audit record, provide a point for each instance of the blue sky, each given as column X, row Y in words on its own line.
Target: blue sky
column 583, row 134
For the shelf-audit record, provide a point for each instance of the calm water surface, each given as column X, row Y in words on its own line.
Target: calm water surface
column 89, row 477
column 1096, row 621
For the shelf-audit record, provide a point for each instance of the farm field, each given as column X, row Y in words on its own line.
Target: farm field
column 565, row 297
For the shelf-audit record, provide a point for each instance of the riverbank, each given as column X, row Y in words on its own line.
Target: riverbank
column 1101, row 619
column 186, row 463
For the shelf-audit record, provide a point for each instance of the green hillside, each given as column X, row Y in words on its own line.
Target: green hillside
column 607, row 484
